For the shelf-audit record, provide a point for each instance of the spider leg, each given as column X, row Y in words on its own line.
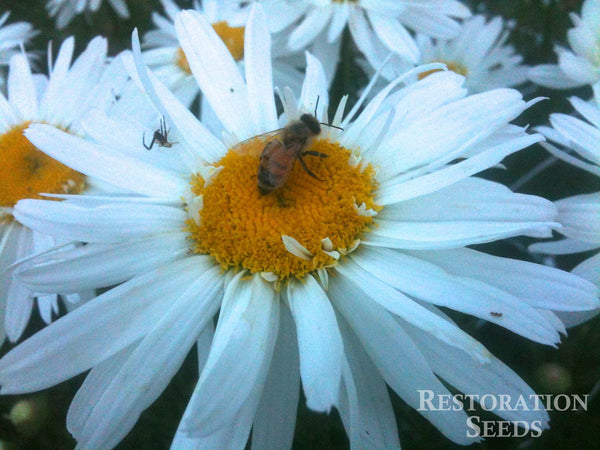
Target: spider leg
column 147, row 147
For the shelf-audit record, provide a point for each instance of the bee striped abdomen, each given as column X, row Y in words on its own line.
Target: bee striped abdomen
column 276, row 163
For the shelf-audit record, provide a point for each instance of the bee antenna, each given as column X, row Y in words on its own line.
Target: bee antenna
column 316, row 106
column 332, row 126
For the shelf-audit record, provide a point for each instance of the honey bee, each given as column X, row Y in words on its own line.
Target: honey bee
column 280, row 154
column 161, row 137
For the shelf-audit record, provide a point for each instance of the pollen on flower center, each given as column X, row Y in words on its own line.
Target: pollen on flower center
column 232, row 37
column 453, row 66
column 25, row 171
column 243, row 229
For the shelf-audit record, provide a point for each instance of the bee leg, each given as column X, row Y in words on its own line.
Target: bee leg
column 147, row 147
column 308, row 171
column 313, row 153
column 282, row 201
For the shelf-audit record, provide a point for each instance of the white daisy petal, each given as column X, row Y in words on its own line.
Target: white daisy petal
column 83, row 84
column 139, row 378
column 100, row 265
column 339, row 19
column 190, row 129
column 579, row 133
column 319, row 342
column 314, row 88
column 313, row 23
column 216, row 73
column 468, row 295
column 391, row 192
column 471, row 378
column 562, row 247
column 58, row 77
column 276, row 415
column 456, row 125
column 429, row 21
column 550, row 75
column 589, row 270
column 8, row 116
column 96, row 330
column 587, row 110
column 257, row 57
column 105, row 164
column 473, row 199
column 18, row 300
column 21, row 88
column 394, row 36
column 575, row 213
column 91, row 390
column 540, row 286
column 439, row 235
column 242, row 347
column 378, row 424
column 232, row 435
column 103, row 224
column 403, row 306
column 295, row 248
column 398, row 359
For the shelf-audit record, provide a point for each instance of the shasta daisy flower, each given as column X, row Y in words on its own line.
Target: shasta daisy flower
column 479, row 53
column 377, row 26
column 580, row 214
column 65, row 10
column 578, row 65
column 25, row 171
column 166, row 58
column 332, row 283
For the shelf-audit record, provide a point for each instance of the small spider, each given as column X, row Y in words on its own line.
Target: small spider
column 161, row 137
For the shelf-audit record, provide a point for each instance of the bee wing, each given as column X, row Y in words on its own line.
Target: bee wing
column 241, row 149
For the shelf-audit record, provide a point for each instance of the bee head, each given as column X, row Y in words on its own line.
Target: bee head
column 311, row 122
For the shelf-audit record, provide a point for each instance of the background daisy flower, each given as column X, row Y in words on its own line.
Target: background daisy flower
column 579, row 64
column 479, row 53
column 578, row 214
column 164, row 55
column 376, row 25
column 166, row 58
column 332, row 283
column 59, row 100
column 66, row 10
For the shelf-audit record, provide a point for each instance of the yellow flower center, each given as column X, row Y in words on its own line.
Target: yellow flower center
column 233, row 37
column 243, row 229
column 182, row 61
column 453, row 66
column 25, row 171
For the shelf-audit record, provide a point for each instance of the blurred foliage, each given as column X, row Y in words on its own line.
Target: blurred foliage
column 537, row 26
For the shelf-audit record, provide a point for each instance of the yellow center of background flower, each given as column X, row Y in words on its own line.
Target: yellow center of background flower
column 233, row 37
column 453, row 66
column 243, row 229
column 25, row 171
